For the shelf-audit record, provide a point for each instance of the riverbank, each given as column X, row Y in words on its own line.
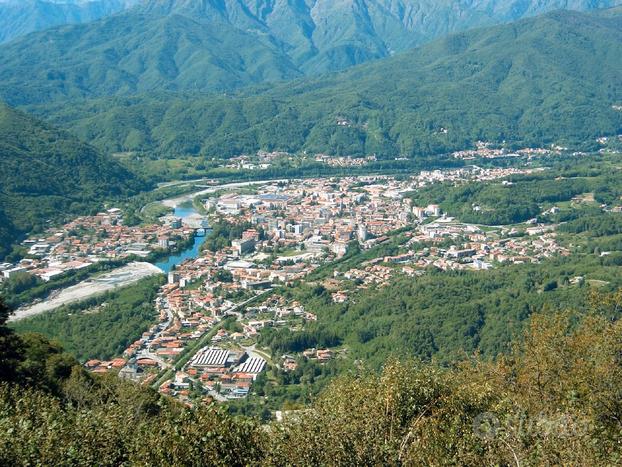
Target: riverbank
column 175, row 202
column 86, row 283
column 121, row 277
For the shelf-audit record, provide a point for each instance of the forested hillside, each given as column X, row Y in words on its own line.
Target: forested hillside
column 551, row 79
column 328, row 35
column 101, row 327
column 137, row 52
column 47, row 174
column 553, row 399
column 442, row 315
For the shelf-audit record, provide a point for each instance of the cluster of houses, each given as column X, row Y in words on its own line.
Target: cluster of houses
column 90, row 239
column 486, row 150
column 344, row 161
column 471, row 250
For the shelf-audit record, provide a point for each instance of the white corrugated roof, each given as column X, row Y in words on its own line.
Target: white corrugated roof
column 253, row 365
column 211, row 357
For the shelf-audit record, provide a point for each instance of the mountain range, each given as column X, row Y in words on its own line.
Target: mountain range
column 219, row 45
column 550, row 79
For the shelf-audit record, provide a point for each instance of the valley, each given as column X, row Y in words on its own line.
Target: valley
column 310, row 232
column 280, row 258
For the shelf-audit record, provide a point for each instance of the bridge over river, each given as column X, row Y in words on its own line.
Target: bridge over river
column 195, row 222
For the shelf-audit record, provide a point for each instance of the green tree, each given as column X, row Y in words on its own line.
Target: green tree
column 11, row 347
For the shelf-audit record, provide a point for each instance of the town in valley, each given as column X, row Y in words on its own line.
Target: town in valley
column 252, row 240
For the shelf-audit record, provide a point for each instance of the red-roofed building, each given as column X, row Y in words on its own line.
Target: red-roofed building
column 146, row 362
column 118, row 363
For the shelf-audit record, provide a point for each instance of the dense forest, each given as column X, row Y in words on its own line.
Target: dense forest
column 551, row 79
column 552, row 399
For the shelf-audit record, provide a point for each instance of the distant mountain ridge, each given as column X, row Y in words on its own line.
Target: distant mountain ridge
column 222, row 45
column 328, row 35
column 20, row 17
column 551, row 79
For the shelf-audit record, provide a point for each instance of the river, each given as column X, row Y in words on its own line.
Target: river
column 190, row 253
column 185, row 212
